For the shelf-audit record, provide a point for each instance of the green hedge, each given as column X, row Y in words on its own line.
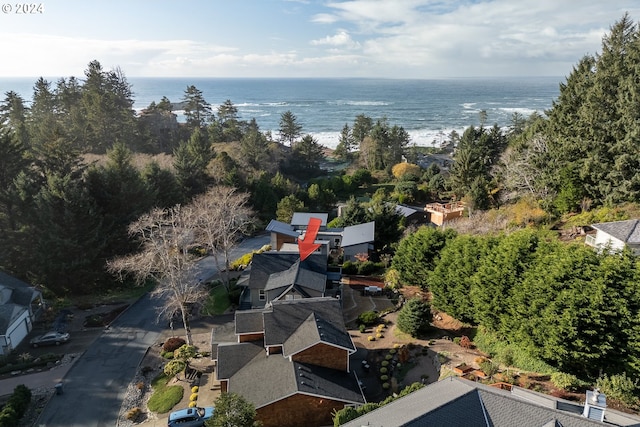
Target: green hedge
column 15, row 407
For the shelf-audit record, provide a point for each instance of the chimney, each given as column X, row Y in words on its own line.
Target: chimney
column 595, row 405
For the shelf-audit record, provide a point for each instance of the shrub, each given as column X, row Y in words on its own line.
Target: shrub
column 140, row 385
column 388, row 357
column 465, row 342
column 194, row 389
column 172, row 344
column 365, row 268
column 489, row 368
column 384, row 370
column 368, row 318
column 193, row 404
column 393, row 351
column 456, row 340
column 167, row 355
column 379, row 335
column 362, row 327
column 371, row 338
column 618, row 387
column 384, row 378
column 193, row 397
column 385, row 386
column 133, row 414
column 15, row 407
column 349, row 267
column 385, row 363
column 565, row 381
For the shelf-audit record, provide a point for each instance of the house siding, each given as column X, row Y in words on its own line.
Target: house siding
column 323, row 355
column 604, row 240
column 299, row 410
column 277, row 240
column 250, row 337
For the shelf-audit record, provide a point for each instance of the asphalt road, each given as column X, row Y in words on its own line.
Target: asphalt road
column 94, row 387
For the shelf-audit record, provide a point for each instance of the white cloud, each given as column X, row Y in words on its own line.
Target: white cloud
column 340, row 39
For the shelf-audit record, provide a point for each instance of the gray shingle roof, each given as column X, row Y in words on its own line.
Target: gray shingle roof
column 285, row 317
column 628, row 231
column 265, row 264
column 232, row 357
column 280, row 378
column 457, row 402
column 357, row 234
column 248, row 321
column 297, row 275
column 316, row 330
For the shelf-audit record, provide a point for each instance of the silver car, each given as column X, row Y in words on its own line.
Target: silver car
column 50, row 338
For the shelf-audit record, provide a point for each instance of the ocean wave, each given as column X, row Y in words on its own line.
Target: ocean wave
column 361, row 103
column 520, row 110
column 468, row 105
column 420, row 137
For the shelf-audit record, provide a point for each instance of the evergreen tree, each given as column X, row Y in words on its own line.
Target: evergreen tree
column 290, row 129
column 67, row 238
column 191, row 161
column 13, row 115
column 345, row 145
column 414, row 317
column 121, row 196
column 307, row 155
column 197, row 110
column 254, row 148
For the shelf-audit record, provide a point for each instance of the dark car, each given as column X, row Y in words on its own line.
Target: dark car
column 50, row 338
column 190, row 417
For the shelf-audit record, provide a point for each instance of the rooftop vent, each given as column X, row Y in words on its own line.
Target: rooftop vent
column 595, row 405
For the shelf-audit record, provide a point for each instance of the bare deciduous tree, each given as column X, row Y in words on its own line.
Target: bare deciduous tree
column 222, row 216
column 166, row 237
column 215, row 219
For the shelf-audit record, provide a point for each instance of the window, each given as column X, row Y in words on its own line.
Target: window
column 262, row 295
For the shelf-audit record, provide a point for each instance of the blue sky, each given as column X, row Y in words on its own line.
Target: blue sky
column 307, row 38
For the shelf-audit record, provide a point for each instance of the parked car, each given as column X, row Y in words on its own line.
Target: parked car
column 190, row 417
column 50, row 338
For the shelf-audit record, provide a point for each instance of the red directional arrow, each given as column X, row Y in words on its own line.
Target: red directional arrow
column 307, row 245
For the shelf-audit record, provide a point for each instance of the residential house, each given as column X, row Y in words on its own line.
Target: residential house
column 300, row 220
column 411, row 215
column 616, row 236
column 441, row 213
column 291, row 361
column 278, row 275
column 358, row 239
column 20, row 306
column 455, row 402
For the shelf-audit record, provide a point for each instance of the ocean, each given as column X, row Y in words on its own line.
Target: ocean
column 427, row 109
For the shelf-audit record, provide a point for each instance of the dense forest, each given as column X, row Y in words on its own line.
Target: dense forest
column 78, row 165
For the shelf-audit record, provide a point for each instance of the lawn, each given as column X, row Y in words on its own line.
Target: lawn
column 218, row 301
column 164, row 397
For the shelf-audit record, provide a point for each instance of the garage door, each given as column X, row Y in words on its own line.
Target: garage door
column 19, row 332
